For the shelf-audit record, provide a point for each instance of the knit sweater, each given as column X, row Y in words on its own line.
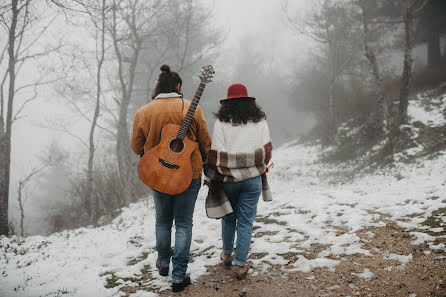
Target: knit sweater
column 223, row 167
column 240, row 138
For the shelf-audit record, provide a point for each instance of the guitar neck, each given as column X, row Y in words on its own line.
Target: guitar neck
column 190, row 113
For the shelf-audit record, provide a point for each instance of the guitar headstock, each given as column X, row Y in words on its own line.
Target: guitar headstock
column 207, row 74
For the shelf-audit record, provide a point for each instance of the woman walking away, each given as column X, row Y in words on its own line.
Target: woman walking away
column 235, row 172
column 169, row 107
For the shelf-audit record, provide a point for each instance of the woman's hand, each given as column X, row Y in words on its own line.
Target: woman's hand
column 269, row 166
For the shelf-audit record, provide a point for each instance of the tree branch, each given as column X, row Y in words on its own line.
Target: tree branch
column 16, row 115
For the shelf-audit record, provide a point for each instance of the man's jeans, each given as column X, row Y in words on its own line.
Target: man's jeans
column 181, row 208
column 244, row 197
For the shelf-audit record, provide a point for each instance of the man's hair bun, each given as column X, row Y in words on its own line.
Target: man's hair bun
column 165, row 68
column 168, row 81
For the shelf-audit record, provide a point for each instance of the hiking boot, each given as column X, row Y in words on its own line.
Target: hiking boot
column 241, row 271
column 178, row 287
column 163, row 270
column 227, row 259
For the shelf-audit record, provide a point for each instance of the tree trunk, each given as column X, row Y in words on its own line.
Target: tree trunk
column 93, row 202
column 124, row 156
column 433, row 50
column 22, row 210
column 407, row 69
column 332, row 68
column 5, row 136
column 331, row 104
column 122, row 144
column 383, row 117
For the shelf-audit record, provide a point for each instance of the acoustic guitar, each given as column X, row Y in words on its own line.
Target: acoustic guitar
column 167, row 167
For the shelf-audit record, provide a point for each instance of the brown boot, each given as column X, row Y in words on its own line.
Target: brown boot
column 227, row 259
column 241, row 271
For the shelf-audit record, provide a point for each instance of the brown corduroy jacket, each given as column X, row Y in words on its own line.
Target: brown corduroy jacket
column 152, row 117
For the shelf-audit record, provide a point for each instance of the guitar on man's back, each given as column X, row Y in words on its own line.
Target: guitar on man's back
column 167, row 167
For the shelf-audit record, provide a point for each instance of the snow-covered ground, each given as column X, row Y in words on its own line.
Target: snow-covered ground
column 307, row 208
column 430, row 115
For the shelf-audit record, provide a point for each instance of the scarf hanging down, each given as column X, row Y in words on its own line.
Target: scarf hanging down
column 223, row 167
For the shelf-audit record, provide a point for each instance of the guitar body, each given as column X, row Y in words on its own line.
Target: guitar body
column 167, row 167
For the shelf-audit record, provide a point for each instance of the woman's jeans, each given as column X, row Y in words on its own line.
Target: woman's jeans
column 244, row 197
column 181, row 209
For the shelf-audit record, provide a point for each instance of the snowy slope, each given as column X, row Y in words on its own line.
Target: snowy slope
column 431, row 116
column 307, row 208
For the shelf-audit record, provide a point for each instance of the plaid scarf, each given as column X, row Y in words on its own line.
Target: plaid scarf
column 223, row 167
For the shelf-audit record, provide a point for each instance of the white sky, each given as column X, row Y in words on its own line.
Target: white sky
column 262, row 19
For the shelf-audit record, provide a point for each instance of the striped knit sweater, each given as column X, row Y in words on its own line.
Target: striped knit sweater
column 237, row 154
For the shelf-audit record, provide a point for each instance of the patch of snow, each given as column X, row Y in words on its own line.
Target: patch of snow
column 402, row 259
column 367, row 274
column 353, row 286
column 421, row 238
column 370, row 234
column 306, row 265
column 333, row 287
column 434, row 117
column 440, row 246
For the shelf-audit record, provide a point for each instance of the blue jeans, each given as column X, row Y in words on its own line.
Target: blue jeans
column 181, row 209
column 244, row 197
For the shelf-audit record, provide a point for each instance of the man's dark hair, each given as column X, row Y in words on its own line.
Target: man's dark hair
column 167, row 82
column 240, row 111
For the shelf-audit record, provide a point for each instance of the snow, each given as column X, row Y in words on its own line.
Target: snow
column 434, row 116
column 367, row 274
column 421, row 238
column 306, row 265
column 440, row 246
column 310, row 208
column 143, row 294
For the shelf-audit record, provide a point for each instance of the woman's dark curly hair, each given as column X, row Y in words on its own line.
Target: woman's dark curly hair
column 167, row 81
column 240, row 111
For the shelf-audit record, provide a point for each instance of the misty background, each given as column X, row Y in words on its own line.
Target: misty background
column 256, row 43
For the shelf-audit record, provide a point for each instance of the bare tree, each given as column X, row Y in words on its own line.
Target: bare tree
column 333, row 26
column 97, row 10
column 370, row 54
column 96, row 13
column 183, row 39
column 131, row 21
column 5, row 126
column 100, row 53
column 409, row 10
column 17, row 20
column 23, row 182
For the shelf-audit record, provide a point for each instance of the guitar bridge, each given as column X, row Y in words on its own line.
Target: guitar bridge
column 168, row 164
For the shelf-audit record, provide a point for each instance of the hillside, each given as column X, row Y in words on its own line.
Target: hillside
column 326, row 230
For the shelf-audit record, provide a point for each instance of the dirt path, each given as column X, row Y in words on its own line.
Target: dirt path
column 395, row 268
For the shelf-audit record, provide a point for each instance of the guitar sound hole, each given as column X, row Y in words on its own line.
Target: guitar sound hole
column 176, row 145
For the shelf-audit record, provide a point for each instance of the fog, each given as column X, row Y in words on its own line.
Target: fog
column 256, row 48
column 253, row 33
